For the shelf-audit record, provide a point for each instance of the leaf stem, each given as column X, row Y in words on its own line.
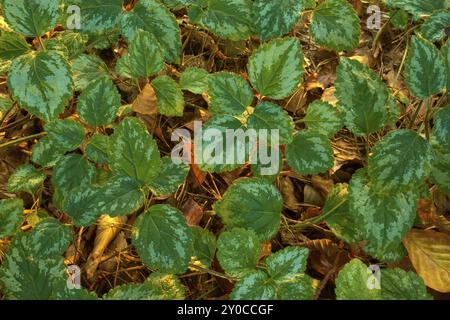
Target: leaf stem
column 17, row 141
column 212, row 272
column 42, row 44
column 320, row 218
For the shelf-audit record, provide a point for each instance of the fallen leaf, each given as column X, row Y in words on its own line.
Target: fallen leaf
column 193, row 212
column 146, row 101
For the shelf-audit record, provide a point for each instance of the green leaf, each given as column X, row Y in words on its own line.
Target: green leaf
column 440, row 170
column 71, row 172
column 74, row 43
column 194, row 80
column 323, row 118
column 441, row 129
column 335, row 25
column 46, row 153
column 299, row 287
column 265, row 169
column 65, row 134
column 400, row 161
column 169, row 96
column 12, row 45
column 310, row 153
column 383, row 218
column 212, row 156
column 423, row 69
column 276, row 68
column 254, row 286
column 353, row 283
column 287, row 263
column 419, row 7
column 340, row 219
column 144, row 57
column 5, row 103
column 11, row 211
column 98, row 149
column 434, row 29
column 135, row 153
column 32, row 18
column 49, row 238
column 99, row 103
column 231, row 19
column 104, row 40
column 163, row 239
column 26, row 178
column 87, row 69
column 277, row 17
column 204, row 247
column 446, row 54
column 151, row 16
column 269, row 116
column 229, row 94
column 362, row 96
column 170, row 177
column 242, row 241
column 98, row 15
column 397, row 284
column 158, row 286
column 399, row 18
column 41, row 82
column 119, row 196
column 252, row 204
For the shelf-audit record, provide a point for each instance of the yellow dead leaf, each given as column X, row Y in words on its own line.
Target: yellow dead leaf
column 146, row 101
column 429, row 252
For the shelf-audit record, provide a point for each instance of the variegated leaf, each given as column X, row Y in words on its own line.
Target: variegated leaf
column 46, row 153
column 98, row 15
column 419, row 7
column 401, row 161
column 440, row 170
column 254, row 286
column 323, row 118
column 252, row 204
column 163, row 239
column 423, row 69
column 310, row 153
column 41, row 82
column 204, row 247
column 194, row 80
column 434, row 29
column 98, row 149
column 286, row 264
column 26, row 178
column 99, row 103
column 276, row 68
column 335, row 25
column 362, row 96
column 240, row 240
column 12, row 45
column 11, row 211
column 169, row 96
column 66, row 134
column 86, row 69
column 151, row 16
column 170, row 177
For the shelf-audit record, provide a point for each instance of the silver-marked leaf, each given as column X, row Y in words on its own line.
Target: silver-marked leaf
column 170, row 177
column 151, row 16
column 163, row 239
column 169, row 96
column 440, row 170
column 242, row 241
column 98, row 15
column 323, row 118
column 32, row 18
column 232, row 19
column 434, row 29
column 104, row 40
column 65, row 134
column 362, row 96
column 49, row 238
column 194, row 80
column 144, row 57
column 397, row 284
column 204, row 247
column 26, row 178
column 268, row 167
column 383, row 218
column 158, row 286
column 299, row 287
column 46, row 153
column 135, row 152
column 11, row 211
column 424, row 69
column 446, row 54
column 213, row 153
column 343, row 222
column 12, row 45
column 99, row 102
column 98, row 149
column 252, row 204
column 419, row 7
column 277, row 17
column 441, row 129
column 276, row 68
column 86, row 69
column 401, row 161
column 310, row 153
column 335, row 25
column 286, row 264
column 254, row 286
column 73, row 43
column 269, row 116
column 5, row 103
column 229, row 94
column 41, row 82
column 71, row 172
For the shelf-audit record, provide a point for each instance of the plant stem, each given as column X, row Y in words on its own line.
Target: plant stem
column 17, row 141
column 212, row 272
column 427, row 119
column 320, row 218
column 42, row 44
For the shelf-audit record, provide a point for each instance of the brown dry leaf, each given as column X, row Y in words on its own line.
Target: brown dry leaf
column 193, row 212
column 429, row 252
column 146, row 101
column 312, row 196
column 323, row 185
column 328, row 96
column 288, row 191
column 325, row 255
column 266, row 250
